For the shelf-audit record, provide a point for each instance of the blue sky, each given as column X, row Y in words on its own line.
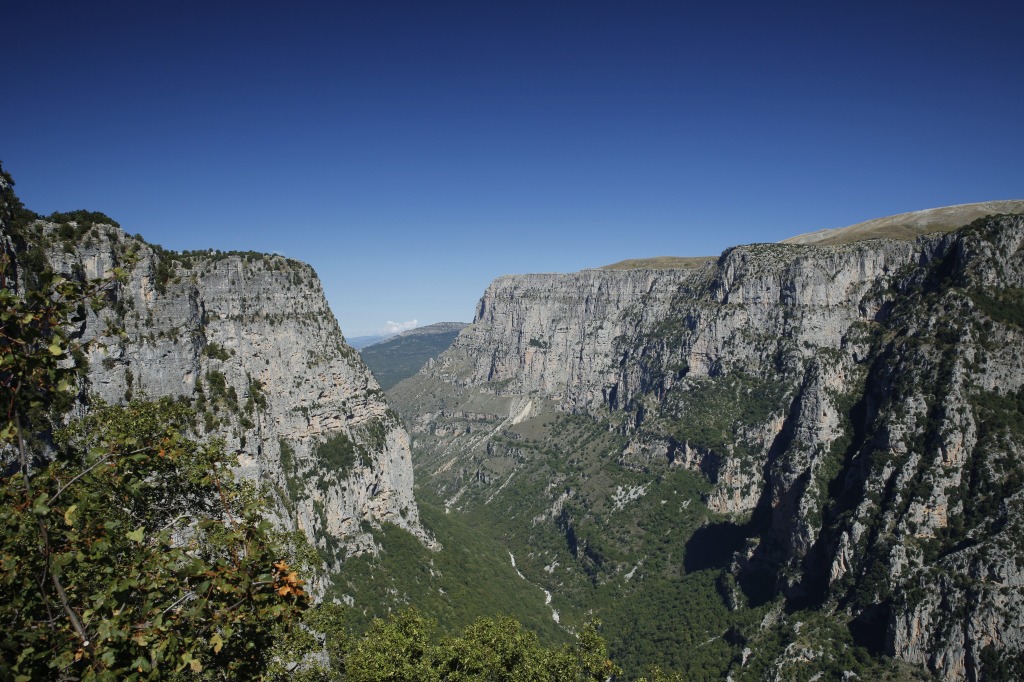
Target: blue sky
column 413, row 151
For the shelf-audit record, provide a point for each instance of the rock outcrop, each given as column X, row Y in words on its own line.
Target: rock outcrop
column 855, row 408
column 250, row 340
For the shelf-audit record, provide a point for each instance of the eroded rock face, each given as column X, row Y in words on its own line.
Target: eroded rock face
column 529, row 331
column 969, row 603
column 857, row 406
column 250, row 339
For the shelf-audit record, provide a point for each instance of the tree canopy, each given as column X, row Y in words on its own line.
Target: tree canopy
column 129, row 550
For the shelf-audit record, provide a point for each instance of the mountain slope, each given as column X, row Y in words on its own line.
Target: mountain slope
column 788, row 454
column 660, row 263
column 401, row 356
column 360, row 342
column 909, row 225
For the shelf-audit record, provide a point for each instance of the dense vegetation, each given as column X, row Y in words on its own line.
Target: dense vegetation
column 652, row 565
column 471, row 577
column 130, row 551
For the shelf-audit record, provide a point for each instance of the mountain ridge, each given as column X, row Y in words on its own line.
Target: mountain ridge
column 402, row 355
column 902, row 226
column 360, row 342
column 426, row 329
column 831, row 401
column 909, row 225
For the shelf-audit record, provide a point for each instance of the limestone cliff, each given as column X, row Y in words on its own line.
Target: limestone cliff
column 855, row 410
column 250, row 340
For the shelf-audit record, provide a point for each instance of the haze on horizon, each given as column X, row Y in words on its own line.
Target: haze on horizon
column 411, row 152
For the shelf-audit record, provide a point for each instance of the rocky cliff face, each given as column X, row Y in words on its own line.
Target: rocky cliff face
column 250, row 340
column 855, row 411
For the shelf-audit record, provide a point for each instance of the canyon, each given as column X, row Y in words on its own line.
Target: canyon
column 795, row 460
column 846, row 416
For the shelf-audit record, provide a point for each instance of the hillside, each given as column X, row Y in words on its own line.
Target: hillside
column 909, row 225
column 360, row 342
column 797, row 460
column 247, row 339
column 399, row 357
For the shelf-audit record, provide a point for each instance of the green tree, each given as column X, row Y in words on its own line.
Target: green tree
column 130, row 551
column 315, row 651
column 406, row 647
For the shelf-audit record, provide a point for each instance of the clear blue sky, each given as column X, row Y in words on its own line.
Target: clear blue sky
column 413, row 151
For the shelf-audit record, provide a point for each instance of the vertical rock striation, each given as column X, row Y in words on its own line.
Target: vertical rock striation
column 250, row 340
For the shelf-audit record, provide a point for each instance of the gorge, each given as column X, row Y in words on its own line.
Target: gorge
column 793, row 461
column 813, row 449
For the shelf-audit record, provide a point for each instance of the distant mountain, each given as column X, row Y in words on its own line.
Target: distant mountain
column 360, row 342
column 399, row 357
column 909, row 225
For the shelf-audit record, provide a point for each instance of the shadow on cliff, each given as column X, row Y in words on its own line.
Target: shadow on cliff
column 846, row 490
column 719, row 546
column 726, row 546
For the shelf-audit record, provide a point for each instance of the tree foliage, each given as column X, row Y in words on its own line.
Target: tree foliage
column 131, row 551
column 165, row 557
column 406, row 647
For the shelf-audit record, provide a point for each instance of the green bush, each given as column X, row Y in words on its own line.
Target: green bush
column 216, row 351
column 341, row 454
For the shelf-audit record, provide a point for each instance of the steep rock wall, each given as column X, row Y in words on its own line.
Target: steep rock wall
column 857, row 408
column 555, row 334
column 249, row 338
